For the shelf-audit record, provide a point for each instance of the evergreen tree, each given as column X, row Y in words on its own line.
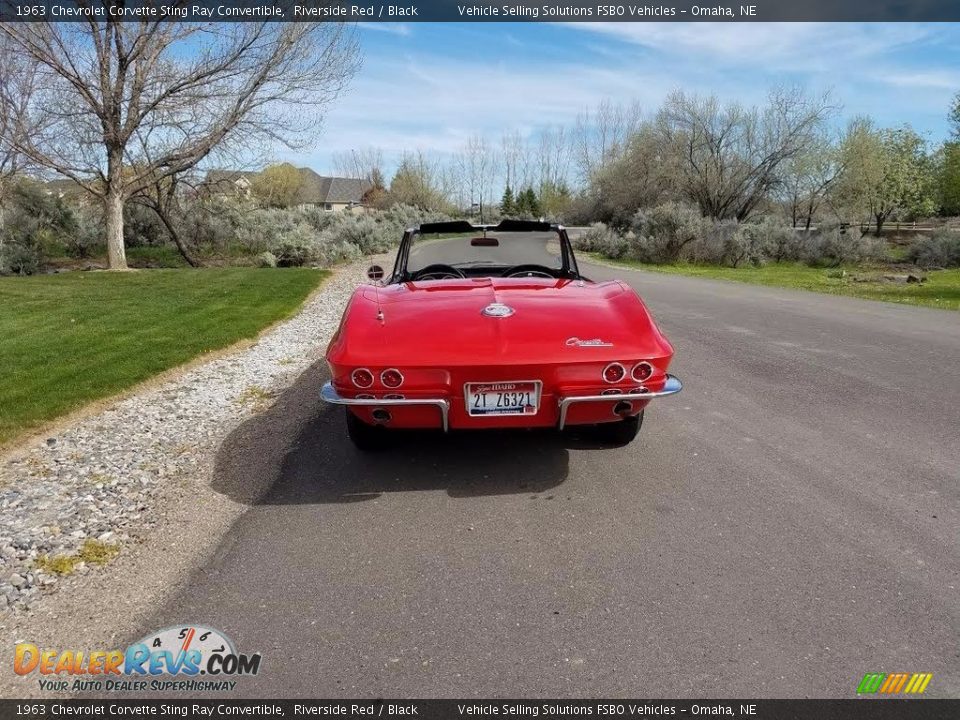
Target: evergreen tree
column 527, row 203
column 507, row 203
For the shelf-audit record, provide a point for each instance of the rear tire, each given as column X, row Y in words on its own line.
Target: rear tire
column 621, row 432
column 365, row 437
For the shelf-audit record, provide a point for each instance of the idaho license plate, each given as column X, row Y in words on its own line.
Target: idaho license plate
column 503, row 398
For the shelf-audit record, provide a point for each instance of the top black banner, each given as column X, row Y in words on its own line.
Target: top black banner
column 480, row 11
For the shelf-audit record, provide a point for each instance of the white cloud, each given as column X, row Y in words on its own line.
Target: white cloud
column 400, row 29
column 782, row 46
column 938, row 79
column 412, row 94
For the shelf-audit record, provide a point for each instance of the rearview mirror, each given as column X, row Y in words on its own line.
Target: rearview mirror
column 375, row 273
column 485, row 242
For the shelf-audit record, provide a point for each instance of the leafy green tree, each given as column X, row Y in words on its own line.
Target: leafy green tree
column 278, row 186
column 507, row 202
column 888, row 173
column 949, row 180
column 555, row 198
column 415, row 183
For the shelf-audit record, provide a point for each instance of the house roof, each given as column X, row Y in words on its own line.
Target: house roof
column 314, row 189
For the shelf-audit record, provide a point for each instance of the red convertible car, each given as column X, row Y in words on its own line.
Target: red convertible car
column 492, row 326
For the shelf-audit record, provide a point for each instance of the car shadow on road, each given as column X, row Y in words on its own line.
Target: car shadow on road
column 297, row 452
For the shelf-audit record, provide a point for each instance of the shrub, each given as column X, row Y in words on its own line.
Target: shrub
column 591, row 239
column 831, row 246
column 297, row 247
column 88, row 233
column 662, row 233
column 365, row 232
column 141, row 226
column 267, row 260
column 783, row 243
column 210, row 226
column 745, row 246
column 16, row 259
column 941, row 250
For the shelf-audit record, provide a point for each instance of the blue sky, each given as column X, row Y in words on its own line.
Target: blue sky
column 431, row 86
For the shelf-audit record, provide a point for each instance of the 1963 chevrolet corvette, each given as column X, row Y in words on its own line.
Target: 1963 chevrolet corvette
column 483, row 326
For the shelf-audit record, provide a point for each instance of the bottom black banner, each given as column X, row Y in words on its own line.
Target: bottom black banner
column 875, row 709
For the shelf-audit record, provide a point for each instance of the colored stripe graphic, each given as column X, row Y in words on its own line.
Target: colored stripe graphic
column 871, row 682
column 894, row 683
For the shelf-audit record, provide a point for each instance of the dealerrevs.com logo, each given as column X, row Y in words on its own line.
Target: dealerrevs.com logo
column 189, row 658
column 894, row 683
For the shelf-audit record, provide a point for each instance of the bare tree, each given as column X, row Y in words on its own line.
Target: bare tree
column 164, row 196
column 602, row 136
column 638, row 178
column 553, row 157
column 475, row 162
column 363, row 164
column 810, row 176
column 130, row 103
column 18, row 83
column 728, row 158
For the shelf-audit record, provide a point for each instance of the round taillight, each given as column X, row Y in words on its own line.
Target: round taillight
column 393, row 396
column 614, row 372
column 391, row 378
column 642, row 371
column 638, row 391
column 612, row 391
column 362, row 378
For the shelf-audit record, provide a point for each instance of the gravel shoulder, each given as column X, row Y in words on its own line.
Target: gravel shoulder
column 135, row 476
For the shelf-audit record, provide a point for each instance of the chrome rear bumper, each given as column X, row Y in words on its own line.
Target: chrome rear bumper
column 330, row 395
column 671, row 387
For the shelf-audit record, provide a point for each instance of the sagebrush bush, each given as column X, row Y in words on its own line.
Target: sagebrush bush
column 141, row 226
column 830, row 246
column 19, row 259
column 592, row 239
column 783, row 243
column 940, row 250
column 661, row 233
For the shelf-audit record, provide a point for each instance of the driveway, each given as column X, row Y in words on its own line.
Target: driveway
column 785, row 525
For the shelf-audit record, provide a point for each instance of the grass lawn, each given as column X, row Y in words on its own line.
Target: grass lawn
column 71, row 338
column 941, row 290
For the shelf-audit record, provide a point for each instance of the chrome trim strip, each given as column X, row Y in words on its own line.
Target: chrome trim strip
column 671, row 387
column 330, row 395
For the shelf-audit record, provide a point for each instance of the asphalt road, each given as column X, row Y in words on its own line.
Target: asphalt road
column 788, row 523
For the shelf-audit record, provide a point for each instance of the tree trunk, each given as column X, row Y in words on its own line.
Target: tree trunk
column 175, row 236
column 880, row 220
column 113, row 214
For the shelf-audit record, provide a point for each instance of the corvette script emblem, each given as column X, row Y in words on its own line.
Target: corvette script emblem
column 596, row 342
column 498, row 310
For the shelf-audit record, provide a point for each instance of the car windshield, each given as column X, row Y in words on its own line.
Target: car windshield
column 477, row 250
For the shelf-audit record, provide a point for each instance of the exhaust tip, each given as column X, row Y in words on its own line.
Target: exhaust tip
column 623, row 408
column 381, row 416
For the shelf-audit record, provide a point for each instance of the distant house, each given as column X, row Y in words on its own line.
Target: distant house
column 68, row 190
column 333, row 194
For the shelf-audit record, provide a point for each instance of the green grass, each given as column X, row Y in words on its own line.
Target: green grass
column 941, row 290
column 92, row 552
column 69, row 339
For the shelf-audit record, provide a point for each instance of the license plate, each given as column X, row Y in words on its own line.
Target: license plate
column 503, row 398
